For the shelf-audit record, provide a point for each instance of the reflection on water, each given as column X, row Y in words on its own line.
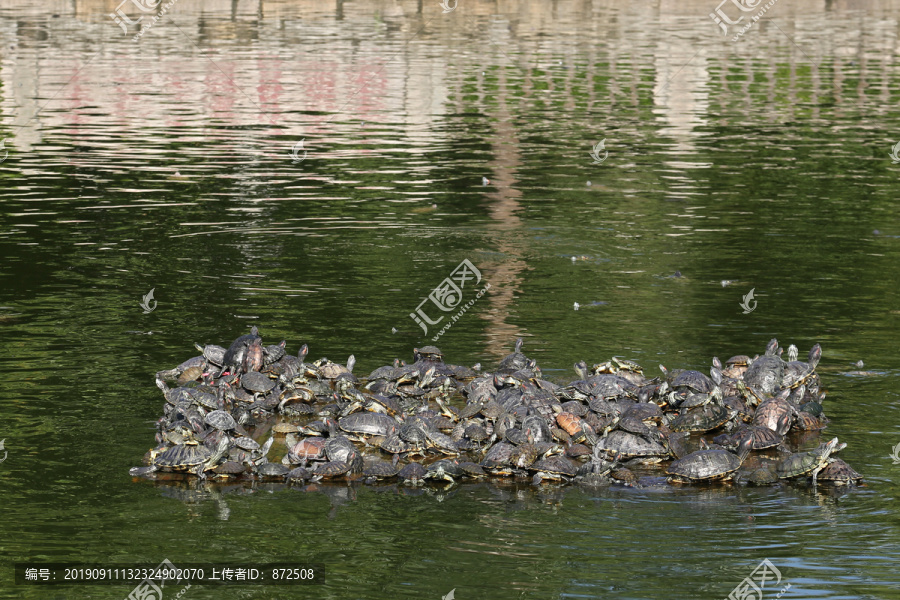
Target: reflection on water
column 166, row 164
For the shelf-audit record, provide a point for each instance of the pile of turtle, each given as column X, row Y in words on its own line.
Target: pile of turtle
column 254, row 412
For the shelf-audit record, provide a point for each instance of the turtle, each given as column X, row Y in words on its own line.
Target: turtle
column 553, row 468
column 839, row 472
column 191, row 457
column 515, row 361
column 498, row 456
column 229, row 468
column 284, row 428
column 334, row 468
column 234, row 356
column 736, row 366
column 413, row 473
column 805, row 463
column 274, row 352
column 307, row 449
column 441, row 442
column 523, row 456
column 272, row 471
column 703, row 418
column 213, row 353
column 368, row 424
column 797, row 373
column 766, row 373
column 246, row 443
column 776, row 414
column 380, row 470
column 759, row 437
column 704, row 465
column 256, row 382
column 471, row 469
column 761, row 475
column 254, row 356
column 392, row 444
column 629, row 445
column 221, row 420
column 430, row 353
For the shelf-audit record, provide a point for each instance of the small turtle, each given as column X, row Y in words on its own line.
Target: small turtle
column 229, row 468
column 702, row 418
column 272, row 471
column 413, row 473
column 246, row 443
column 307, row 449
column 704, row 465
column 213, row 353
column 254, row 356
column 805, row 463
column 221, row 420
column 839, row 472
column 629, row 445
column 392, row 444
column 766, row 373
column 368, row 424
column 234, row 356
column 274, row 352
column 334, row 468
column 554, row 468
column 380, row 470
column 776, row 414
column 256, row 382
column 283, row 428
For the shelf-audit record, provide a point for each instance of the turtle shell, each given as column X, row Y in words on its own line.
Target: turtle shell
column 182, row 457
column 257, row 382
column 630, row 445
column 273, row 471
column 230, row 467
column 309, row 448
column 774, row 413
column 246, row 443
column 221, row 420
column 334, row 468
column 765, row 375
column 702, row 418
column 380, row 470
column 705, row 465
column 558, row 465
column 693, row 380
column 412, row 472
column 368, row 424
column 394, row 445
column 839, row 473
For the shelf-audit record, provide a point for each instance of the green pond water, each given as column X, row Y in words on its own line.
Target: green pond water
column 167, row 164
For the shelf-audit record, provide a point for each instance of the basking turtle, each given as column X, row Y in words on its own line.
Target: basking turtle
column 234, row 356
column 703, row 418
column 839, row 473
column 257, row 383
column 221, row 420
column 272, row 471
column 380, row 470
column 766, row 373
column 629, row 445
column 254, row 356
column 557, row 468
column 797, row 373
column 776, row 414
column 704, row 465
column 805, row 463
column 213, row 353
column 515, row 361
column 413, row 474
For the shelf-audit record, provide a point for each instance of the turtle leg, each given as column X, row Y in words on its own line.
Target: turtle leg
column 815, row 473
